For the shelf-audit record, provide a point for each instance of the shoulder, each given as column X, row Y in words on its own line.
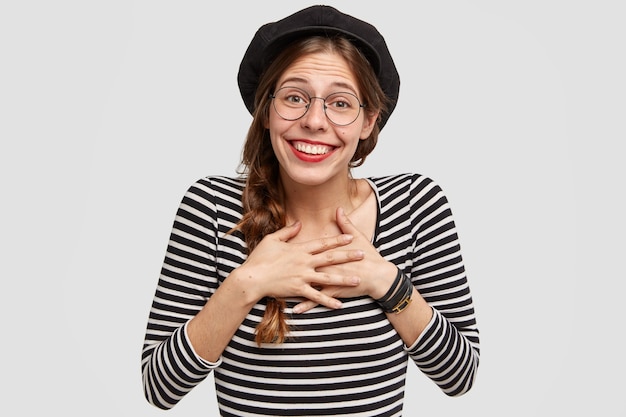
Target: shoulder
column 213, row 202
column 412, row 193
column 218, row 186
column 215, row 193
column 398, row 184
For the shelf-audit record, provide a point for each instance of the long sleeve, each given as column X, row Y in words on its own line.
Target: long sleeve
column 448, row 349
column 346, row 362
column 170, row 367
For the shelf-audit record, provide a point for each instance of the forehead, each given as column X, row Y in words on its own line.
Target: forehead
column 319, row 71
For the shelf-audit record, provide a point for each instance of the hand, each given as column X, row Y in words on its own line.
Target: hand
column 277, row 268
column 374, row 272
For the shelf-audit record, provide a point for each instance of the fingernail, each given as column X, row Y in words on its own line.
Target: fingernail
column 355, row 280
column 297, row 310
column 337, row 304
column 348, row 238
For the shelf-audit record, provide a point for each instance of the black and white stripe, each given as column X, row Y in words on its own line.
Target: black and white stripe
column 346, row 362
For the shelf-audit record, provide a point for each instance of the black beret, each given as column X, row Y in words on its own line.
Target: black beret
column 272, row 37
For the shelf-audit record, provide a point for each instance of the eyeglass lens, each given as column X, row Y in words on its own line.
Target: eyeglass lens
column 341, row 108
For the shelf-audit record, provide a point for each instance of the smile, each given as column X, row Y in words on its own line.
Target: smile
column 312, row 149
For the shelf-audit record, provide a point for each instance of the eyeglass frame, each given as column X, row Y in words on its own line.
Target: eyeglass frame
column 272, row 96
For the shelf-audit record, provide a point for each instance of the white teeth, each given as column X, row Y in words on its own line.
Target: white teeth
column 312, row 149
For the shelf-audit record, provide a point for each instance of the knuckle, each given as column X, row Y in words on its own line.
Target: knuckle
column 357, row 254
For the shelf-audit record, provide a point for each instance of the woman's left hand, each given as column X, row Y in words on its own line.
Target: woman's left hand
column 376, row 274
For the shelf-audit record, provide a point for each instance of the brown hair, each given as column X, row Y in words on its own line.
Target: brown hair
column 262, row 197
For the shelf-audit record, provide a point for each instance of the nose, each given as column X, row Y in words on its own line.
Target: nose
column 315, row 116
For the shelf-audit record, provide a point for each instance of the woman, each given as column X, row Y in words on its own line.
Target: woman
column 304, row 290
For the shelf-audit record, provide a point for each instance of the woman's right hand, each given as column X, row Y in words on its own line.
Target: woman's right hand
column 278, row 268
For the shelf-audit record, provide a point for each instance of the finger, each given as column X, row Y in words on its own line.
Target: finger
column 344, row 222
column 323, row 296
column 318, row 297
column 288, row 232
column 304, row 306
column 325, row 282
column 335, row 257
column 326, row 243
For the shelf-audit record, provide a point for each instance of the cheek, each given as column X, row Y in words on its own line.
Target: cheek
column 271, row 118
column 275, row 123
column 349, row 137
column 275, row 141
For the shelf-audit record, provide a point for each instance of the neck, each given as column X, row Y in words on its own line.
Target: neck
column 317, row 204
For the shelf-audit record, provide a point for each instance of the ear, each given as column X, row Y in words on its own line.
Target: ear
column 368, row 124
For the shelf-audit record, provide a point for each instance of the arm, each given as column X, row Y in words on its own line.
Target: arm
column 170, row 365
column 438, row 326
column 447, row 349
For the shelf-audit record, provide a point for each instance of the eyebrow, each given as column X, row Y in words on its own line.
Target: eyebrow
column 304, row 81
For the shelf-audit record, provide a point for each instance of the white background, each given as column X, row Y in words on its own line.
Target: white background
column 109, row 110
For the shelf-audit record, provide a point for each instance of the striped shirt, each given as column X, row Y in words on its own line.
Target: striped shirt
column 344, row 362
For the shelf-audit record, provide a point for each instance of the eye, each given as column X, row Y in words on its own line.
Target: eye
column 341, row 101
column 293, row 97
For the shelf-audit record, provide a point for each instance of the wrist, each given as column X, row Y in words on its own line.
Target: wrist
column 241, row 285
column 398, row 296
column 385, row 281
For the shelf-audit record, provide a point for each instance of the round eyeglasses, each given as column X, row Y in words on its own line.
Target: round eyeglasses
column 341, row 108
